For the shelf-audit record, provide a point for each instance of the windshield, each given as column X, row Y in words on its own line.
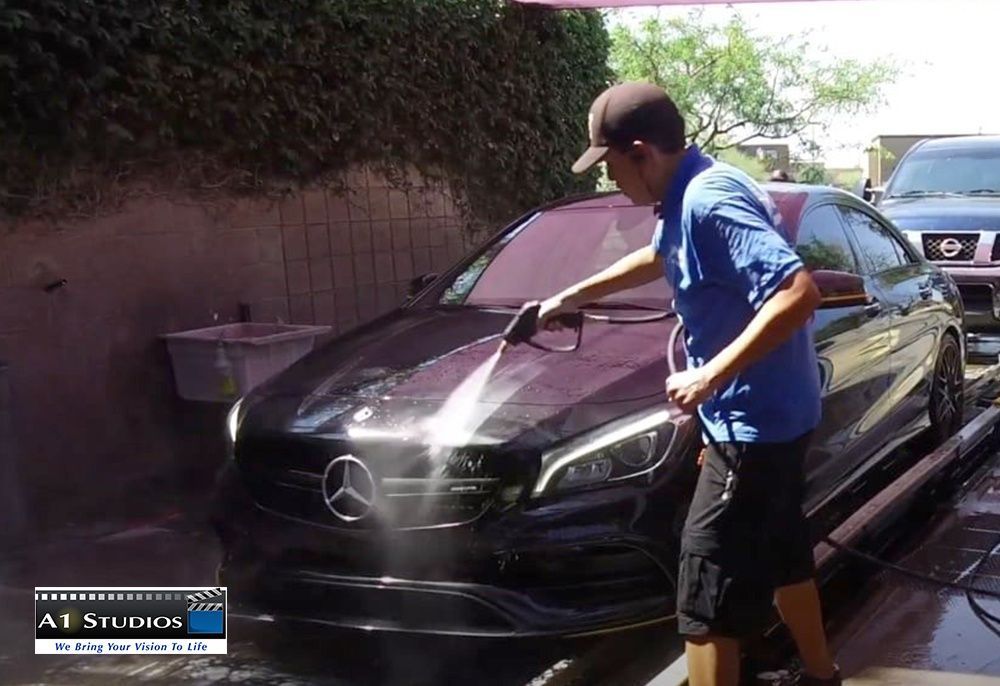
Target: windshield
column 556, row 249
column 948, row 170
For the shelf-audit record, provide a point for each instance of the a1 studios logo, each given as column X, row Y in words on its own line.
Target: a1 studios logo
column 69, row 620
column 129, row 619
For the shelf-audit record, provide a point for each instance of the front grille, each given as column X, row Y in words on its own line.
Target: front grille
column 384, row 606
column 411, row 490
column 950, row 247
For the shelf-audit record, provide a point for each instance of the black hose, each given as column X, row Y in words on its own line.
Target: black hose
column 919, row 576
column 981, row 612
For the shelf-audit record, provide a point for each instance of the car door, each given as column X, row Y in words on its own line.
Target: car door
column 852, row 346
column 916, row 303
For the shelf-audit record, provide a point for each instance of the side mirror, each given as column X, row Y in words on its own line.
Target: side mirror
column 863, row 190
column 420, row 283
column 840, row 289
column 877, row 194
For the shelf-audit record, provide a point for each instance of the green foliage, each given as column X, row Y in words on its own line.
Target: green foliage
column 817, row 255
column 813, row 173
column 489, row 96
column 753, row 167
column 845, row 179
column 883, row 153
column 735, row 83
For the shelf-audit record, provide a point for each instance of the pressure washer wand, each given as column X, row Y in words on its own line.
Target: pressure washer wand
column 524, row 327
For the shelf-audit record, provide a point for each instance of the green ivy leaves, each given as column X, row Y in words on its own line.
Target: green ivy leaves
column 487, row 95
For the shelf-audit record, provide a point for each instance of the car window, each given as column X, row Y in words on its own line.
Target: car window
column 878, row 247
column 823, row 243
column 905, row 256
column 556, row 249
column 947, row 170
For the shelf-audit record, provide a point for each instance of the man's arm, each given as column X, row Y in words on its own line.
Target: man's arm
column 786, row 311
column 635, row 269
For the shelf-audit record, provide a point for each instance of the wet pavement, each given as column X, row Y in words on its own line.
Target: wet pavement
column 897, row 622
column 179, row 550
column 886, row 621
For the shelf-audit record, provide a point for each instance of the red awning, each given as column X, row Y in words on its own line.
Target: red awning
column 584, row 4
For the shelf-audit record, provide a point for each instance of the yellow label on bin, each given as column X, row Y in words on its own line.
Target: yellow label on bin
column 228, row 386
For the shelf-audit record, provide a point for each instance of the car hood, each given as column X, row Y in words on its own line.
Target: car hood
column 943, row 213
column 437, row 368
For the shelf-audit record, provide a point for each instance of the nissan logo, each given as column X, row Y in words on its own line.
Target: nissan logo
column 348, row 488
column 950, row 247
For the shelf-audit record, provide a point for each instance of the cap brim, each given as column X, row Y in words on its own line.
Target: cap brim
column 589, row 158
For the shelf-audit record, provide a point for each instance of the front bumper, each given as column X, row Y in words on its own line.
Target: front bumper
column 980, row 290
column 596, row 562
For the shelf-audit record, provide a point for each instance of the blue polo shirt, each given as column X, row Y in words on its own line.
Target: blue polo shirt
column 725, row 252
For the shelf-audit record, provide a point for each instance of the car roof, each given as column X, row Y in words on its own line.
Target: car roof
column 960, row 143
column 809, row 194
column 616, row 199
column 792, row 200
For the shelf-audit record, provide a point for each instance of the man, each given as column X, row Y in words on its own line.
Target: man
column 745, row 300
column 781, row 176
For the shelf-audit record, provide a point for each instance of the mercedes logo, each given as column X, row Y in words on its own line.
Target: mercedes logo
column 348, row 488
column 950, row 247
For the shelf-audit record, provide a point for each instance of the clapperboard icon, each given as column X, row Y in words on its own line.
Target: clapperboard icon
column 205, row 612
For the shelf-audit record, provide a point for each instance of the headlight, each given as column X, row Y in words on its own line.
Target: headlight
column 620, row 451
column 233, row 421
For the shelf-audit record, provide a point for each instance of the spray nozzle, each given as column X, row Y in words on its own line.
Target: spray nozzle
column 525, row 325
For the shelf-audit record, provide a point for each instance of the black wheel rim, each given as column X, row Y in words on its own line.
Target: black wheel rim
column 948, row 387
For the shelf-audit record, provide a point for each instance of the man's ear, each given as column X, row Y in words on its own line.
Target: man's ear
column 638, row 151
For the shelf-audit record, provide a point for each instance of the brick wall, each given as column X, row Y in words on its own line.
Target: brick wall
column 96, row 419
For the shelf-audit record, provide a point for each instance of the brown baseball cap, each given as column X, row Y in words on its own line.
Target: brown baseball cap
column 629, row 112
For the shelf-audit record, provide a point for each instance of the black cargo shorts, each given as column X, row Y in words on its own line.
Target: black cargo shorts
column 745, row 535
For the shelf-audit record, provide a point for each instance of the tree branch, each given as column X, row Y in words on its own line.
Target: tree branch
column 701, row 127
column 651, row 59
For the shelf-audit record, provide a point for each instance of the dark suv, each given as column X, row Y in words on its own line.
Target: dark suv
column 402, row 477
column 945, row 197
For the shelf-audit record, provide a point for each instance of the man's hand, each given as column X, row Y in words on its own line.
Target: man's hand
column 551, row 309
column 689, row 389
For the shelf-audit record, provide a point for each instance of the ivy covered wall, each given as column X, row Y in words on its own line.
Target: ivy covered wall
column 259, row 96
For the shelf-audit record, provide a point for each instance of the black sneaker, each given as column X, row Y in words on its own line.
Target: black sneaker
column 808, row 680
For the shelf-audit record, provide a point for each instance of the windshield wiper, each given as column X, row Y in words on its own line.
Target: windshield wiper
column 621, row 305
column 921, row 194
column 982, row 191
column 596, row 305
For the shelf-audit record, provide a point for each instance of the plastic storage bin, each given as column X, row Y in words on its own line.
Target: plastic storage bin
column 222, row 363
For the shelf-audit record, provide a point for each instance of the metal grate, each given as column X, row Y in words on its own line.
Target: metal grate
column 950, row 247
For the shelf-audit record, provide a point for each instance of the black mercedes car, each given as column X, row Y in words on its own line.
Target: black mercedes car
column 405, row 477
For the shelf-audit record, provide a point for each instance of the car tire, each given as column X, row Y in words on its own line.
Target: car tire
column 947, row 398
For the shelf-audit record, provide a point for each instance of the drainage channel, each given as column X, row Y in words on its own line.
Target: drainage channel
column 653, row 656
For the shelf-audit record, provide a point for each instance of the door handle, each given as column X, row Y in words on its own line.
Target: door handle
column 873, row 308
